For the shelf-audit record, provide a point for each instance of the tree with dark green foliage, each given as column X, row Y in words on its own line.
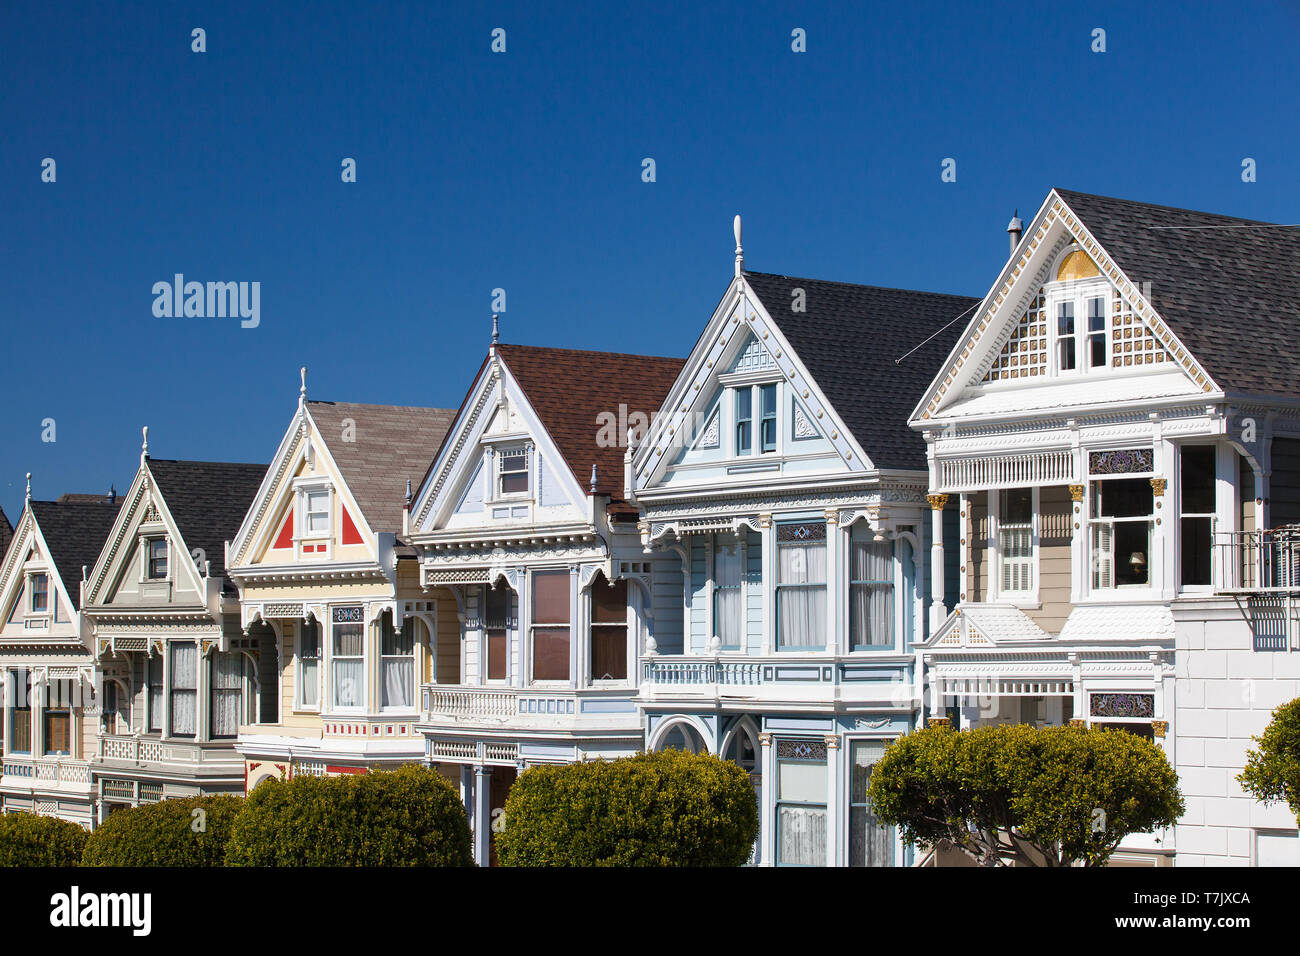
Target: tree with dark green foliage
column 30, row 840
column 189, row 831
column 1017, row 795
column 662, row 809
column 1272, row 773
column 405, row 817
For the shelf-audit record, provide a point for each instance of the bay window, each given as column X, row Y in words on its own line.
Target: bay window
column 608, row 629
column 227, row 696
column 20, row 711
column 56, row 718
column 550, row 630
column 871, row 589
column 871, row 843
column 1196, row 492
column 309, row 665
column 347, row 657
column 155, row 681
column 801, row 585
column 397, row 665
column 496, row 621
column 801, row 803
column 1016, row 540
column 1122, row 524
column 184, row 689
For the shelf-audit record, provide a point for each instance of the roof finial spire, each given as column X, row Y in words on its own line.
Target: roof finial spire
column 593, row 477
column 496, row 331
column 740, row 252
column 144, row 446
column 408, row 492
column 29, row 486
column 302, row 389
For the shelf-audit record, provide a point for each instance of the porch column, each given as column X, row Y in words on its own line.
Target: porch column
column 766, row 822
column 835, row 642
column 467, row 792
column 482, row 814
column 937, row 503
column 834, row 852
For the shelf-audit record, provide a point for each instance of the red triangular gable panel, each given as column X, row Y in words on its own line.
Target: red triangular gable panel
column 350, row 533
column 285, row 538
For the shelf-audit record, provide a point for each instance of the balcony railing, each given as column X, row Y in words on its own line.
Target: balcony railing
column 1259, row 561
column 48, row 771
column 139, row 751
column 461, row 703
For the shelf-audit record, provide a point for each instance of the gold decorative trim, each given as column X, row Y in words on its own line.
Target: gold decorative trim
column 1078, row 722
column 1076, row 492
column 1159, row 727
column 937, row 502
column 1158, row 486
column 936, row 722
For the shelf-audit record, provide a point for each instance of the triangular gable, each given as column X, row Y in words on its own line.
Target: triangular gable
column 495, row 408
column 267, row 534
column 1007, row 339
column 739, row 337
column 143, row 506
column 29, row 544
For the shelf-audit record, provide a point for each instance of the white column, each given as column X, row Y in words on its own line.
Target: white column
column 575, row 595
column 834, row 852
column 767, row 536
column 937, row 615
column 835, row 643
column 482, row 814
column 766, row 818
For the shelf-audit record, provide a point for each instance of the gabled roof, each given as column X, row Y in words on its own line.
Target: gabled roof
column 6, row 533
column 1217, row 281
column 74, row 529
column 391, row 444
column 569, row 389
column 207, row 500
column 849, row 339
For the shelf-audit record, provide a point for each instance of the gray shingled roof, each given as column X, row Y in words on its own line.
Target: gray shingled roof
column 1232, row 295
column 392, row 443
column 6, row 533
column 849, row 339
column 208, row 500
column 75, row 528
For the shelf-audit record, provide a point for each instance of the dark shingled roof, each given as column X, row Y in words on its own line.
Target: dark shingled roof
column 1232, row 295
column 569, row 389
column 75, row 528
column 6, row 533
column 849, row 339
column 208, row 500
column 392, row 443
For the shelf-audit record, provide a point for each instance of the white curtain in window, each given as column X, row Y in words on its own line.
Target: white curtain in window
column 155, row 692
column 870, row 842
column 871, row 610
column 803, row 608
column 399, row 674
column 726, row 575
column 803, row 836
column 184, row 679
column 227, row 693
column 349, row 675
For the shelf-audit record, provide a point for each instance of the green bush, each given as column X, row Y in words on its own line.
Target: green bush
column 405, row 817
column 30, row 840
column 662, row 809
column 167, row 833
column 1272, row 773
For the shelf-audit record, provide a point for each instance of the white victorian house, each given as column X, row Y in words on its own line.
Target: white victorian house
column 782, row 502
column 1110, row 441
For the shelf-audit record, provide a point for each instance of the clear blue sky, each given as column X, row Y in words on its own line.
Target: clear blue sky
column 522, row 170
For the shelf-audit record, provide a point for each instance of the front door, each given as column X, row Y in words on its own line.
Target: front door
column 503, row 778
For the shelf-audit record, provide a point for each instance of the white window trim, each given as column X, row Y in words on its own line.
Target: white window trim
column 1175, row 492
column 415, row 675
column 589, row 625
column 530, row 459
column 298, row 704
column 146, row 541
column 574, row 634
column 1077, row 292
column 301, row 535
column 29, row 610
column 511, row 597
column 1029, row 598
column 1118, row 591
column 328, row 656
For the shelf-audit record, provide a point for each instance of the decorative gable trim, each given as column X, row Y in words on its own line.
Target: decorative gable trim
column 287, row 456
column 27, row 535
column 958, row 368
column 465, row 425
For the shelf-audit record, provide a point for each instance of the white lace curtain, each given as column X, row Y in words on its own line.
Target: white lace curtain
column 398, row 666
column 185, row 684
column 801, row 580
column 349, row 675
column 871, row 593
column 227, row 693
column 727, row 613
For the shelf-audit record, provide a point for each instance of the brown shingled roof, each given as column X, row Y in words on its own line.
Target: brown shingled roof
column 392, row 443
column 569, row 389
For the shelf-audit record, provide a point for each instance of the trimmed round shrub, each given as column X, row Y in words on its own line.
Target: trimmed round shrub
column 661, row 809
column 30, row 840
column 190, row 831
column 405, row 817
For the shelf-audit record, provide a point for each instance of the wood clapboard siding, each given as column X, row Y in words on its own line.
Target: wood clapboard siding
column 976, row 532
column 1055, row 530
column 1247, row 515
column 449, row 642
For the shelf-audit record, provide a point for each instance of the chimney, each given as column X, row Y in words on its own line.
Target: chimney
column 1014, row 229
column 112, row 494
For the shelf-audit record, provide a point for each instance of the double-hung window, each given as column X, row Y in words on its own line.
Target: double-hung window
column 1196, row 479
column 744, row 421
column 1080, row 328
column 608, row 629
column 767, row 408
column 496, row 622
column 513, row 471
column 1016, row 540
column 397, row 665
column 184, row 689
column 1066, row 359
column 317, row 509
column 728, row 612
column 40, row 593
column 20, row 711
column 801, row 585
column 227, row 695
column 550, row 630
column 347, row 657
column 57, row 718
column 757, row 437
column 871, row 589
column 871, row 843
column 309, row 665
column 1122, row 525
column 801, row 803
column 155, row 681
column 156, row 549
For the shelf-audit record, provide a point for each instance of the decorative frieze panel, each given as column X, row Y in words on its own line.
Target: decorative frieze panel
column 812, row 750
column 1122, row 705
column 1124, row 461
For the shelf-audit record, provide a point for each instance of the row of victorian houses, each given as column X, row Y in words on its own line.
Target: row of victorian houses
column 851, row 511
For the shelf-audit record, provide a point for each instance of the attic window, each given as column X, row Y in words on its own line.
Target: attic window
column 40, row 593
column 317, row 513
column 514, row 471
column 157, row 558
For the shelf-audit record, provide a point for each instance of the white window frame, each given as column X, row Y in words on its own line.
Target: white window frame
column 531, row 651
column 1180, row 514
column 753, row 382
column 414, row 658
column 147, row 555
column 299, row 683
column 629, row 630
column 512, row 599
column 1093, row 519
column 499, row 456
column 1077, row 292
column 1027, row 596
column 31, row 609
column 362, row 694
column 302, row 533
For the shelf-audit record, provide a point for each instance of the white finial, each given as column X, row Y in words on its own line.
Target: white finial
column 593, row 478
column 144, row 446
column 740, row 252
column 496, row 332
column 302, row 389
column 408, row 492
column 29, row 486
